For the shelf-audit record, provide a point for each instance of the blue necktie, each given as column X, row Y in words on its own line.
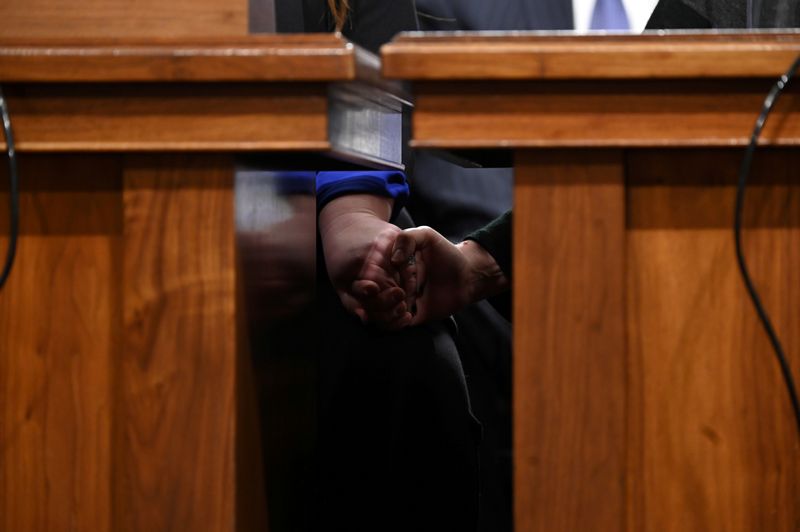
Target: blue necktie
column 609, row 15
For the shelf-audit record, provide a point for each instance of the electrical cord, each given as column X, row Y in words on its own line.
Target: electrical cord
column 13, row 196
column 744, row 172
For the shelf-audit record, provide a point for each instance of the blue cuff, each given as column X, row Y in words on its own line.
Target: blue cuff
column 331, row 185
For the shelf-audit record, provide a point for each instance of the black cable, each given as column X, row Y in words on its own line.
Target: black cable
column 744, row 172
column 13, row 192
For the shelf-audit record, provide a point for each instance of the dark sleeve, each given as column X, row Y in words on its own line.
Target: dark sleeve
column 496, row 239
column 316, row 17
column 675, row 15
column 373, row 23
column 370, row 23
column 496, row 15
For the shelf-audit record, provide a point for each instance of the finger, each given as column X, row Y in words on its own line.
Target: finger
column 421, row 314
column 408, row 280
column 406, row 245
column 380, row 276
column 422, row 279
column 387, row 310
column 384, row 302
column 359, row 312
column 399, row 323
column 352, row 305
column 384, row 318
column 364, row 288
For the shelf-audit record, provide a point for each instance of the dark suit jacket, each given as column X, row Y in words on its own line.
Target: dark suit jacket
column 475, row 15
column 706, row 14
column 454, row 200
column 370, row 23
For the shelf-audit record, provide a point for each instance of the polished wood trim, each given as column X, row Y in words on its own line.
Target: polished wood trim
column 320, row 57
column 169, row 117
column 557, row 56
column 256, row 94
column 599, row 113
column 569, row 340
column 534, row 36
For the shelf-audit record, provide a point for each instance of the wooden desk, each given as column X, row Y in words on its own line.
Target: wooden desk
column 646, row 395
column 120, row 403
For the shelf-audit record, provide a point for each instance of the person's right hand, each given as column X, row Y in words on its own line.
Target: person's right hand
column 445, row 276
column 357, row 241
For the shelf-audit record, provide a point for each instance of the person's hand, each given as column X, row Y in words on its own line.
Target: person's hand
column 357, row 242
column 444, row 276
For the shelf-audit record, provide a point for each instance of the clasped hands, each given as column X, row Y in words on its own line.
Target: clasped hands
column 394, row 278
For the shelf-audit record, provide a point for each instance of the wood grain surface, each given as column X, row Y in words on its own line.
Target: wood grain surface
column 647, row 396
column 60, row 344
column 646, row 393
column 115, row 18
column 535, row 90
column 712, row 439
column 288, row 93
column 621, row 113
column 569, row 341
column 169, row 117
column 541, row 56
column 117, row 380
column 174, row 441
column 312, row 57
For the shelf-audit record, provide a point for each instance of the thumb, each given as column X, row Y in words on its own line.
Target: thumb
column 408, row 242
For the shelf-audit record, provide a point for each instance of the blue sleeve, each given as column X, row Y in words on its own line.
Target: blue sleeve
column 391, row 184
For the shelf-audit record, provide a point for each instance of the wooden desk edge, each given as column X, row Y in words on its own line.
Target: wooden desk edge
column 276, row 58
column 553, row 56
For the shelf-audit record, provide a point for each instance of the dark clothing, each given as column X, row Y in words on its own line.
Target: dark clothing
column 456, row 201
column 398, row 440
column 316, row 17
column 496, row 239
column 370, row 23
column 398, row 444
column 476, row 15
column 720, row 14
column 674, row 14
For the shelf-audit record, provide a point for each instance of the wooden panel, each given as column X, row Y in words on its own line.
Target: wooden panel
column 276, row 247
column 59, row 339
column 599, row 113
column 541, row 56
column 174, row 439
column 569, row 341
column 165, row 117
column 115, row 18
column 251, row 509
column 317, row 57
column 713, row 442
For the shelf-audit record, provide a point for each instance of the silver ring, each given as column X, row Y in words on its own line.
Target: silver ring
column 412, row 260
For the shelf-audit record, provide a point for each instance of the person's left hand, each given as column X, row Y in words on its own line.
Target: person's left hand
column 444, row 276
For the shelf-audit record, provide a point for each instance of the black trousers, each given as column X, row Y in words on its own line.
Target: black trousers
column 398, row 444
